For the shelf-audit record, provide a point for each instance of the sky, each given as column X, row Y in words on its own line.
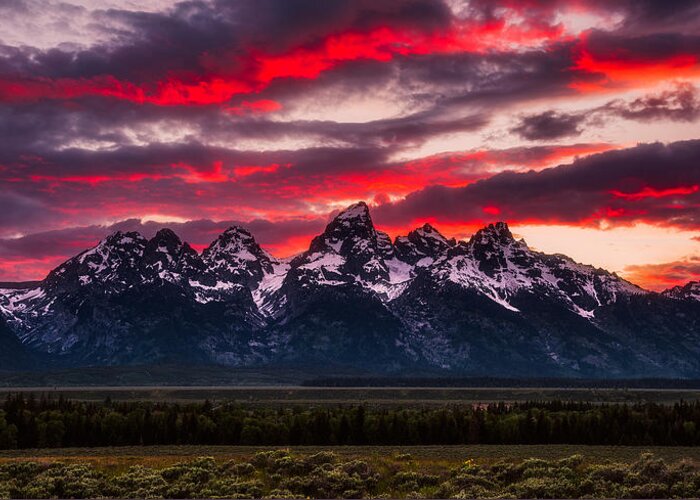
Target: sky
column 577, row 122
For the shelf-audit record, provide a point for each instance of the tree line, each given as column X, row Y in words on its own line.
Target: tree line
column 28, row 422
column 500, row 382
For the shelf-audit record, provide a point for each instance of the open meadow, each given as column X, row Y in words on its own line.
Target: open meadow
column 122, row 457
column 373, row 396
column 351, row 472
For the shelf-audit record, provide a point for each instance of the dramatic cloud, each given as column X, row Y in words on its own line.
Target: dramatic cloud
column 667, row 274
column 651, row 182
column 548, row 125
column 284, row 111
column 681, row 103
column 27, row 257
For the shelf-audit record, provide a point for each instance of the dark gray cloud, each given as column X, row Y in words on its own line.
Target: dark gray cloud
column 653, row 182
column 549, row 125
column 679, row 104
column 72, row 240
column 203, row 37
column 70, row 157
column 16, row 209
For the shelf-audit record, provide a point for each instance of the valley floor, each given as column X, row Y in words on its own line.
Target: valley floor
column 373, row 396
column 352, row 472
column 157, row 456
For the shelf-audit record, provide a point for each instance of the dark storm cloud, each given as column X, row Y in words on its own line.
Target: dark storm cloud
column 70, row 241
column 679, row 104
column 441, row 82
column 627, row 48
column 635, row 15
column 87, row 132
column 196, row 37
column 652, row 182
column 78, row 185
column 649, row 14
column 15, row 208
column 296, row 22
column 42, row 128
column 548, row 125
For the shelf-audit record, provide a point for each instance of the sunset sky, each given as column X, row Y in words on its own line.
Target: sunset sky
column 577, row 122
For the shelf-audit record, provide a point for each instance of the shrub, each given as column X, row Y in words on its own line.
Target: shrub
column 265, row 459
column 410, row 480
column 281, row 474
column 243, row 470
column 5, row 489
column 650, row 469
column 545, row 487
column 138, row 482
column 322, row 457
column 648, row 490
column 616, row 473
column 233, row 488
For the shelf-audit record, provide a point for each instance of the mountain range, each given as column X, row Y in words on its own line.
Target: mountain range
column 421, row 303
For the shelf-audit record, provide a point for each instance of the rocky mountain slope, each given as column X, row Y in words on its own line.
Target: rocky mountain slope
column 355, row 298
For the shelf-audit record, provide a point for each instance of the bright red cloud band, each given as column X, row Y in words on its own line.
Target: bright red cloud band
column 491, row 70
column 381, row 44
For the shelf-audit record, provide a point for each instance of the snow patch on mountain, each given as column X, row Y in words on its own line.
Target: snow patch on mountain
column 689, row 291
column 265, row 295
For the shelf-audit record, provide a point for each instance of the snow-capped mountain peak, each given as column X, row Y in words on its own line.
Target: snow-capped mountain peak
column 506, row 270
column 355, row 214
column 422, row 246
column 351, row 231
column 423, row 297
column 168, row 258
column 113, row 262
column 498, row 234
column 350, row 250
column 689, row 291
column 235, row 256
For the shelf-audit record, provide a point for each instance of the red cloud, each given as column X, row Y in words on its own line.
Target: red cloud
column 306, row 62
column 255, row 107
column 665, row 275
column 246, row 170
column 650, row 192
column 605, row 63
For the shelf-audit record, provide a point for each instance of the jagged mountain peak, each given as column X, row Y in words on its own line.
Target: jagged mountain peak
column 349, row 251
column 166, row 237
column 427, row 233
column 689, row 291
column 168, row 258
column 123, row 238
column 427, row 228
column 112, row 263
column 355, row 219
column 240, row 244
column 118, row 241
column 498, row 233
column 422, row 245
column 355, row 213
column 233, row 239
column 237, row 232
column 351, row 232
column 114, row 247
column 237, row 257
column 427, row 300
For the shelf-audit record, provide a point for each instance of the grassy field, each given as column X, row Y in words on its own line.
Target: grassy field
column 422, row 396
column 161, row 456
column 364, row 472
